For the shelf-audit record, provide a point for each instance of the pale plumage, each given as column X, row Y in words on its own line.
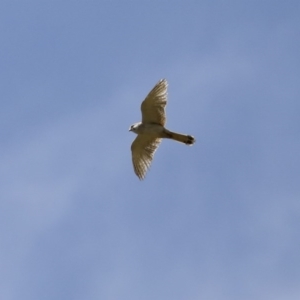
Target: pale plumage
column 143, row 149
column 153, row 107
column 151, row 130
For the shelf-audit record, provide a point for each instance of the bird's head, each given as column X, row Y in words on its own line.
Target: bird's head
column 134, row 128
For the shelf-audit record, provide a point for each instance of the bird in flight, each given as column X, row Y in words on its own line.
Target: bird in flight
column 151, row 130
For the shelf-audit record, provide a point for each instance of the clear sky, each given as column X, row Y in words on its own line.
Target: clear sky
column 216, row 221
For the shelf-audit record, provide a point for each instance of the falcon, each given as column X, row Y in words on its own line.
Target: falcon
column 152, row 129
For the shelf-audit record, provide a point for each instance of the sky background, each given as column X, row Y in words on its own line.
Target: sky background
column 216, row 221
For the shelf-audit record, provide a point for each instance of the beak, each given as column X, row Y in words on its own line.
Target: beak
column 129, row 129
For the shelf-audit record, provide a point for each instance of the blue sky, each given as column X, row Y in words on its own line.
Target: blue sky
column 216, row 221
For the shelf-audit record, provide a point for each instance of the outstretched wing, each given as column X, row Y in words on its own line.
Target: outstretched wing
column 143, row 149
column 153, row 107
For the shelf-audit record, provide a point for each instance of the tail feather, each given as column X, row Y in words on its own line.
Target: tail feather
column 182, row 138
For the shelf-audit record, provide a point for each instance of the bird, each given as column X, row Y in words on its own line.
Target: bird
column 151, row 130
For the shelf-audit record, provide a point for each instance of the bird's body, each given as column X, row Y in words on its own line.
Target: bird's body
column 151, row 130
column 160, row 131
column 148, row 128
